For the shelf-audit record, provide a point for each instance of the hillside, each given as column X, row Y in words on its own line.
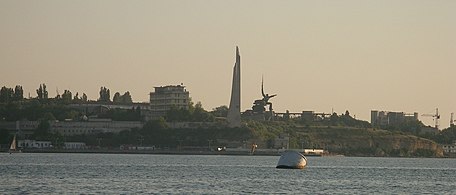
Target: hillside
column 350, row 141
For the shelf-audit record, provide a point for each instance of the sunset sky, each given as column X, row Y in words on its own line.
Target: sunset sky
column 316, row 55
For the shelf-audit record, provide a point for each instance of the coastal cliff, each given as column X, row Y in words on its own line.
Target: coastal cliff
column 352, row 141
column 367, row 142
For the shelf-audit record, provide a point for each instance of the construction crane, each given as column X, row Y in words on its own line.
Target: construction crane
column 436, row 117
column 452, row 120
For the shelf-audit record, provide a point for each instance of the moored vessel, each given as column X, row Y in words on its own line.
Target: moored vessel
column 13, row 146
column 292, row 160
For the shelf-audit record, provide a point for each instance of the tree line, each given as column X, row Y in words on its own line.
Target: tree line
column 8, row 95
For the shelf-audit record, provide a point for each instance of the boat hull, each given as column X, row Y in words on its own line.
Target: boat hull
column 292, row 160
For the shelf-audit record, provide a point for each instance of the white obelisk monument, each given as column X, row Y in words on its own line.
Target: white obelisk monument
column 234, row 111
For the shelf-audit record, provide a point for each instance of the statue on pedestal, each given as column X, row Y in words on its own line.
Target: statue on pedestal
column 258, row 105
column 266, row 97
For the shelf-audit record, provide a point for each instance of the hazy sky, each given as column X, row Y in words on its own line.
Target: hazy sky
column 316, row 55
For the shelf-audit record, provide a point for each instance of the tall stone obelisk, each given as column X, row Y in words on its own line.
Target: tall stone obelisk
column 234, row 112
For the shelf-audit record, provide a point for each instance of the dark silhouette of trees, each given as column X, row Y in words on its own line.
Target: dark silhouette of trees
column 84, row 97
column 6, row 94
column 5, row 137
column 18, row 93
column 67, row 96
column 446, row 136
column 116, row 98
column 122, row 99
column 192, row 114
column 126, row 98
column 42, row 92
column 221, row 111
column 105, row 95
column 43, row 130
column 76, row 97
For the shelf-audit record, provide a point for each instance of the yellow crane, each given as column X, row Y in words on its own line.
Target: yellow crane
column 436, row 117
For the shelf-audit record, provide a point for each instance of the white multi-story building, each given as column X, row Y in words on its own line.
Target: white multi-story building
column 449, row 148
column 33, row 144
column 74, row 145
column 382, row 118
column 68, row 128
column 167, row 97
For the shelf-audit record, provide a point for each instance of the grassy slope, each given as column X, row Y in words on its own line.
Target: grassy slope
column 348, row 140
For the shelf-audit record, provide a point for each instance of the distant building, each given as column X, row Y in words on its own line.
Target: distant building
column 449, row 149
column 74, row 145
column 33, row 144
column 314, row 151
column 21, row 127
column 308, row 115
column 194, row 125
column 167, row 97
column 97, row 108
column 69, row 128
column 382, row 118
column 314, row 116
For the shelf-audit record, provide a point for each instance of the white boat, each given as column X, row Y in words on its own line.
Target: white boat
column 292, row 160
column 13, row 147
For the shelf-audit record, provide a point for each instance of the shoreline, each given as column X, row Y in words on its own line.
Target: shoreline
column 162, row 152
column 190, row 152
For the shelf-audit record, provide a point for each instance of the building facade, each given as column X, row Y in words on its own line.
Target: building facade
column 36, row 144
column 382, row 118
column 69, row 128
column 449, row 149
column 33, row 144
column 74, row 145
column 167, row 97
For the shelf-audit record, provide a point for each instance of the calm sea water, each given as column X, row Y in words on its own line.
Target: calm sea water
column 185, row 174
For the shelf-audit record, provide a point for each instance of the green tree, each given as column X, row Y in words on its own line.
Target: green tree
column 175, row 114
column 201, row 115
column 48, row 117
column 105, row 95
column 18, row 93
column 155, row 131
column 5, row 137
column 122, row 99
column 42, row 92
column 67, row 96
column 446, row 136
column 116, row 98
column 221, row 111
column 42, row 132
column 6, row 94
column 126, row 98
column 158, row 124
column 84, row 97
column 76, row 97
